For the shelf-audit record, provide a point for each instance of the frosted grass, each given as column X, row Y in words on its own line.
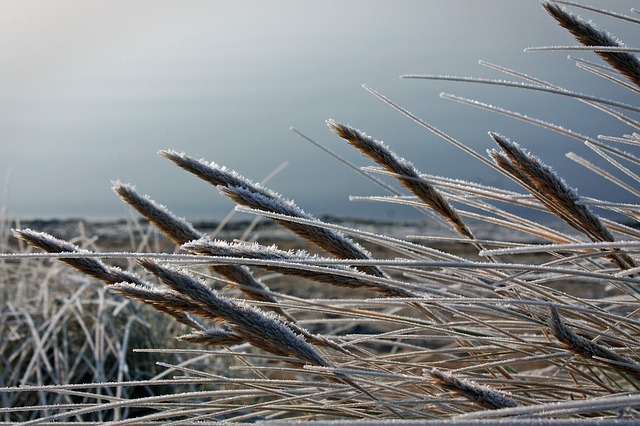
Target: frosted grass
column 535, row 324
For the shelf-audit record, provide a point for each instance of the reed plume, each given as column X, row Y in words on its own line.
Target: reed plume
column 589, row 349
column 106, row 274
column 485, row 396
column 259, row 328
column 626, row 63
column 245, row 192
column 176, row 229
column 180, row 231
column 553, row 192
column 213, row 337
column 334, row 275
column 405, row 171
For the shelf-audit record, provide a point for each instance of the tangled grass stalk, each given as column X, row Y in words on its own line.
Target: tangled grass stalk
column 411, row 328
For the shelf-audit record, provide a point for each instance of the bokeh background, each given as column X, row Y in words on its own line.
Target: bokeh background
column 91, row 90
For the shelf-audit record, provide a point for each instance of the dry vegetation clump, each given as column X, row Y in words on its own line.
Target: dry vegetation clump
column 502, row 331
column 62, row 328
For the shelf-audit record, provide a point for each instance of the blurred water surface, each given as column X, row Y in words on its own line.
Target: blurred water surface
column 90, row 91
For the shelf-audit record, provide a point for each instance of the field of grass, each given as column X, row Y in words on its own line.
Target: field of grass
column 499, row 320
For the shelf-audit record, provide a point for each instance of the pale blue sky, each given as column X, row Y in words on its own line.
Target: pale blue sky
column 91, row 90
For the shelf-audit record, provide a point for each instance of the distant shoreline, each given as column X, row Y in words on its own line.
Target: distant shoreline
column 119, row 231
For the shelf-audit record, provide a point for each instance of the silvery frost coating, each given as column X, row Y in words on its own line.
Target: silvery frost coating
column 245, row 192
column 261, row 329
column 520, row 321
